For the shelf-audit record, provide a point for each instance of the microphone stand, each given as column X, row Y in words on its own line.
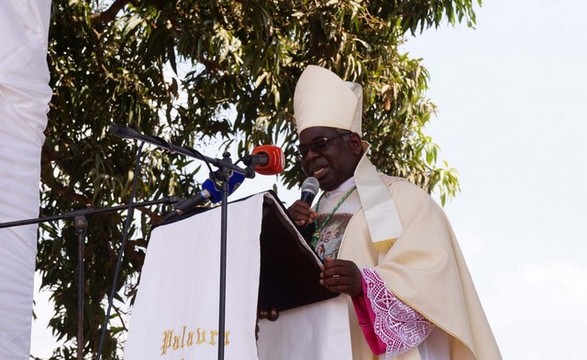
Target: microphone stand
column 81, row 224
column 221, row 178
column 88, row 211
column 227, row 167
column 223, row 255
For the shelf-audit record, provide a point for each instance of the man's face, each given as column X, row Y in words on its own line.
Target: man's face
column 328, row 156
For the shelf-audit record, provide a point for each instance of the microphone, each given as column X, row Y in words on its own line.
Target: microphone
column 209, row 192
column 310, row 188
column 266, row 160
column 215, row 193
column 124, row 132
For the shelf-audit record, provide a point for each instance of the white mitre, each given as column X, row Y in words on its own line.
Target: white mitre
column 322, row 98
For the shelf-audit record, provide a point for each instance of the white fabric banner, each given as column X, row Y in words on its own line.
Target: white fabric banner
column 175, row 315
column 24, row 95
column 299, row 333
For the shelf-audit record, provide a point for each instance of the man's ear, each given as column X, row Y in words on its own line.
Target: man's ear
column 356, row 144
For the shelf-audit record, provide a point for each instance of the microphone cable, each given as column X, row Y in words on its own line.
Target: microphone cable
column 130, row 213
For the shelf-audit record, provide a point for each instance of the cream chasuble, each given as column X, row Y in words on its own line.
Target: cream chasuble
column 404, row 236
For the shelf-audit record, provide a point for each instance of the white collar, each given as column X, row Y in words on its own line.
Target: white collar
column 342, row 188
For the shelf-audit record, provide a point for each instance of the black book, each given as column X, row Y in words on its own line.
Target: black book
column 290, row 270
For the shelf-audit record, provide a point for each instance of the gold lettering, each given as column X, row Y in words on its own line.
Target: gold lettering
column 183, row 337
column 191, row 338
column 167, row 336
column 173, row 341
column 176, row 342
column 213, row 334
column 201, row 336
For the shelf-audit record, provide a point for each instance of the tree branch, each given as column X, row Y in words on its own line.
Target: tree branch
column 48, row 155
column 110, row 13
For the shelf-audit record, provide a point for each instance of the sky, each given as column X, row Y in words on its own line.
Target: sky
column 510, row 96
column 511, row 120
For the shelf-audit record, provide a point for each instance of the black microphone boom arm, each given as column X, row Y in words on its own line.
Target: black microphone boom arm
column 129, row 133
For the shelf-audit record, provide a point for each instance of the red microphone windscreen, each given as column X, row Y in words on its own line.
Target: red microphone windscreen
column 275, row 160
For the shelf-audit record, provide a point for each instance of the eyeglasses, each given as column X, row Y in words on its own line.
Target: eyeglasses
column 319, row 144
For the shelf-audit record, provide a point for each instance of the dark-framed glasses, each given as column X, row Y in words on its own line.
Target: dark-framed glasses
column 319, row 144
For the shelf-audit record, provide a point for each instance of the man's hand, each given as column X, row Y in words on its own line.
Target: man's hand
column 342, row 276
column 301, row 212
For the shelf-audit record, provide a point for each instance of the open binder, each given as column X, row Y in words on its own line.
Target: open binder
column 290, row 270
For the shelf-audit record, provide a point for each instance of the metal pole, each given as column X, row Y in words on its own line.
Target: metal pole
column 223, row 253
column 81, row 225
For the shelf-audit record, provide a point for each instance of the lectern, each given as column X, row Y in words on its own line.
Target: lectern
column 269, row 267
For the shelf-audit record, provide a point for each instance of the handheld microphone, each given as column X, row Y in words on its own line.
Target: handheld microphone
column 266, row 160
column 310, row 188
column 209, row 192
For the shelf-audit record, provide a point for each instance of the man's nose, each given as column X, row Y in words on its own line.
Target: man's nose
column 311, row 154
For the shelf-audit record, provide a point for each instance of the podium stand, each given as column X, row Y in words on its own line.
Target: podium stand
column 270, row 266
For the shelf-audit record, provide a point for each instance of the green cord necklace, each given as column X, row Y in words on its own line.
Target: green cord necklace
column 316, row 234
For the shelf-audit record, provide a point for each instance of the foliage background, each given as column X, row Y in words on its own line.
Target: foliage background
column 197, row 71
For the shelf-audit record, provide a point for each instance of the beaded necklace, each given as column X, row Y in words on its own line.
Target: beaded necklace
column 316, row 234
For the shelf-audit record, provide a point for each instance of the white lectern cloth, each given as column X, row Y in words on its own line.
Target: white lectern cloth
column 318, row 331
column 24, row 95
column 175, row 315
